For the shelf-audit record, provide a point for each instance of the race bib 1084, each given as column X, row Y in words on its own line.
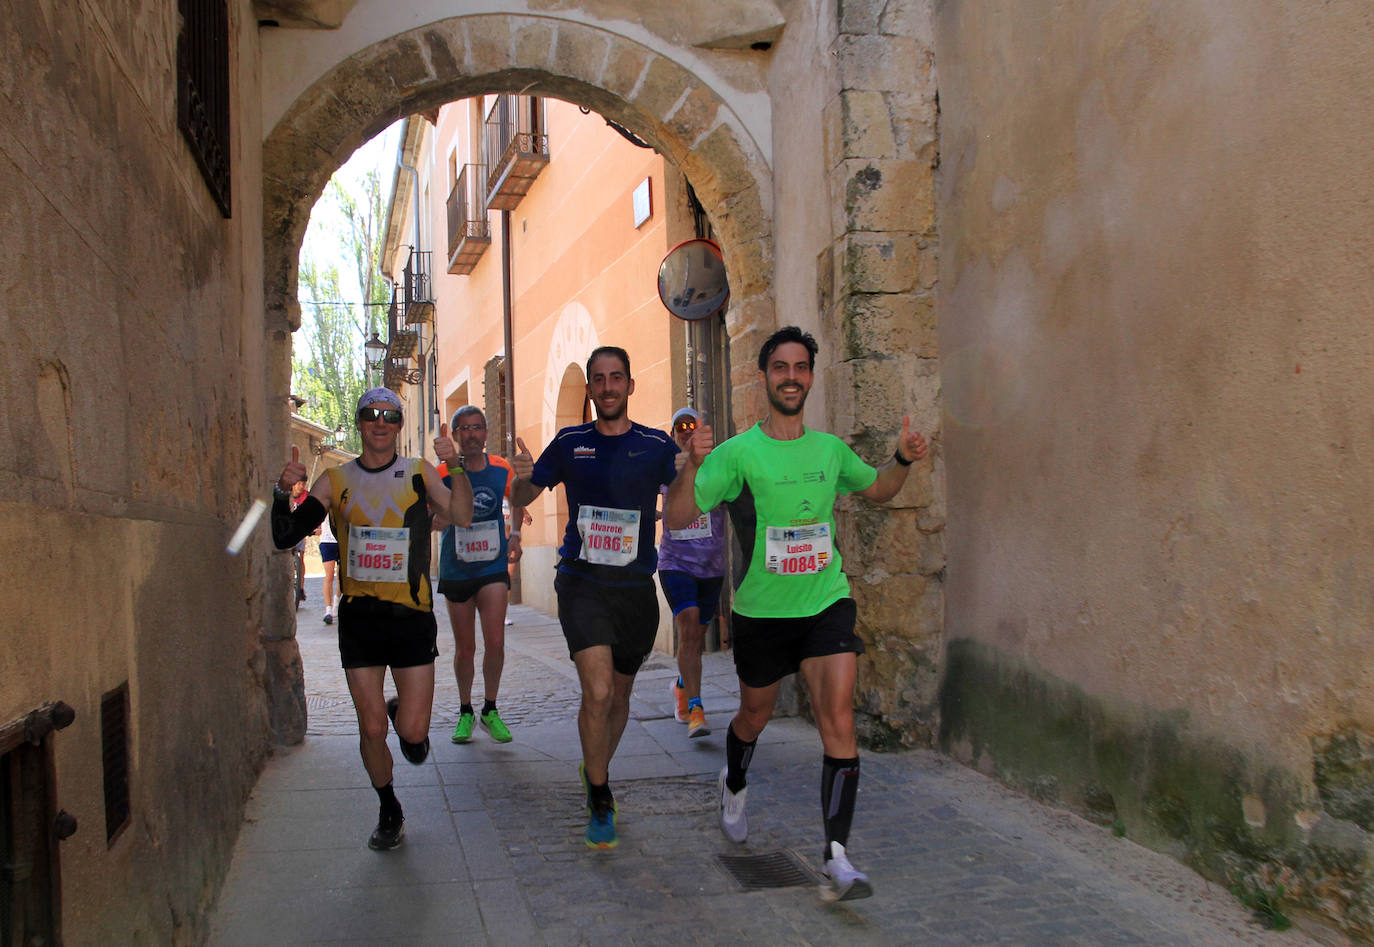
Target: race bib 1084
column 797, row 550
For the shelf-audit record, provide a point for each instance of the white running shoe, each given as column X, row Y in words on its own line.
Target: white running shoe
column 847, row 883
column 733, row 822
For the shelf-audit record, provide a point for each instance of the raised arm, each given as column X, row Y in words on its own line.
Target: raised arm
column 680, row 505
column 911, row 447
column 455, row 499
column 291, row 526
column 522, row 490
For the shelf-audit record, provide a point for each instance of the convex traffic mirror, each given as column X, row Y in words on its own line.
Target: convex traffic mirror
column 692, row 282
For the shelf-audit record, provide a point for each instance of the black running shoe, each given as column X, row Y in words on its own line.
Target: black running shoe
column 415, row 753
column 391, row 828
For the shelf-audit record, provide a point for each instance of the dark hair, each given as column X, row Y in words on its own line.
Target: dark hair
column 615, row 350
column 787, row 334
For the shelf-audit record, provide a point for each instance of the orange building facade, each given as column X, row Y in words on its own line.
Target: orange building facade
column 543, row 226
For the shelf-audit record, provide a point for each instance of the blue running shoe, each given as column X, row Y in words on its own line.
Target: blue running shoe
column 601, row 828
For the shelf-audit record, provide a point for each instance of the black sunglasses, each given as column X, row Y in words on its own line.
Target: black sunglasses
column 686, row 424
column 389, row 415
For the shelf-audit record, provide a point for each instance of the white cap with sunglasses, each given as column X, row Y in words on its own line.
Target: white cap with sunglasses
column 687, row 413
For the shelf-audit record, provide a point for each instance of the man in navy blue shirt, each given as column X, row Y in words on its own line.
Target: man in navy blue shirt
column 611, row 470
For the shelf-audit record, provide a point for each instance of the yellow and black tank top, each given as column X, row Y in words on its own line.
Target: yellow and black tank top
column 381, row 519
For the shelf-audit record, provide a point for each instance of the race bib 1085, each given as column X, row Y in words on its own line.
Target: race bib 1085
column 378, row 553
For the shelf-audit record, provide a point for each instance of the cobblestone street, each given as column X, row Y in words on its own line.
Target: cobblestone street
column 493, row 851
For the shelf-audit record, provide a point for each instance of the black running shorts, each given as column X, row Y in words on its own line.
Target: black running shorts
column 624, row 617
column 460, row 590
column 769, row 649
column 373, row 633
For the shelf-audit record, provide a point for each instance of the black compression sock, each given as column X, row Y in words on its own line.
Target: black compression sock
column 466, row 709
column 599, row 797
column 839, row 789
column 738, row 755
column 488, row 706
column 387, row 795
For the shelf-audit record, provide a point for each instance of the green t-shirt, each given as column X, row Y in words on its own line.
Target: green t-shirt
column 794, row 564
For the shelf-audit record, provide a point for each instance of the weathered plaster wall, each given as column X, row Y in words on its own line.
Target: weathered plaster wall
column 134, row 381
column 1155, row 346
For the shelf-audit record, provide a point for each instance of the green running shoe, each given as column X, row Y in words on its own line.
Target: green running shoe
column 492, row 723
column 463, row 732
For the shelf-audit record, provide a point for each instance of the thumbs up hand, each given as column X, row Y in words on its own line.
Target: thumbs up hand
column 522, row 463
column 444, row 448
column 293, row 473
column 911, row 445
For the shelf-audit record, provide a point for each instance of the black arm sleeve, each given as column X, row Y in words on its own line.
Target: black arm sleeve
column 291, row 526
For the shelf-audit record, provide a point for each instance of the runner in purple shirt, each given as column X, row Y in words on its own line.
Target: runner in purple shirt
column 691, row 569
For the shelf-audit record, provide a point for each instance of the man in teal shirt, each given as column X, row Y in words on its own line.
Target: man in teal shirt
column 792, row 611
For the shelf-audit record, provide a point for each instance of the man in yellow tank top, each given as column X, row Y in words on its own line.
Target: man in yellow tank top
column 379, row 507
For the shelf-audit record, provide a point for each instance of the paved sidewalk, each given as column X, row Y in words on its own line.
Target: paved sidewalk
column 493, row 852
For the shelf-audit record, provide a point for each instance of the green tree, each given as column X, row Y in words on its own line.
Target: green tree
column 342, row 247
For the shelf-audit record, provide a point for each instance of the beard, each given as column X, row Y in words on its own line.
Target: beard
column 612, row 414
column 775, row 398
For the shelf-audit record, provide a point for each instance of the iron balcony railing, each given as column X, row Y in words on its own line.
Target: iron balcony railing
column 517, row 148
column 469, row 231
column 417, row 289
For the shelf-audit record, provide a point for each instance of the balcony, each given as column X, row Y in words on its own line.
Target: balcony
column 517, row 148
column 469, row 232
column 396, row 373
column 401, row 340
column 417, row 290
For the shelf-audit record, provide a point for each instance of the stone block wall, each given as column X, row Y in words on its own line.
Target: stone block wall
column 876, row 288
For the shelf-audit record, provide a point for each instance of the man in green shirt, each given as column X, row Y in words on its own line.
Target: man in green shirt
column 792, row 611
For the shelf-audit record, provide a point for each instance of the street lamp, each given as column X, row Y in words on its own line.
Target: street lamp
column 375, row 353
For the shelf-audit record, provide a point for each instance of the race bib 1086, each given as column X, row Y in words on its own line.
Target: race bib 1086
column 609, row 536
column 699, row 529
column 797, row 550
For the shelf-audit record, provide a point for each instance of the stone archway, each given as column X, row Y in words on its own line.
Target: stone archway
column 645, row 90
column 687, row 121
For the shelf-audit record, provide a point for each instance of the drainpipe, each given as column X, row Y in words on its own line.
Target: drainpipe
column 506, row 329
column 419, row 327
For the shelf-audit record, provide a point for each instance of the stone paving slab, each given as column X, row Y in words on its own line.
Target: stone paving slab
column 493, row 852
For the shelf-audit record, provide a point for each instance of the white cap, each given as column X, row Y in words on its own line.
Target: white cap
column 684, row 413
column 374, row 395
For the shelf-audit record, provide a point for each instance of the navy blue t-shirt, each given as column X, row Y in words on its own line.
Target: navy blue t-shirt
column 611, row 481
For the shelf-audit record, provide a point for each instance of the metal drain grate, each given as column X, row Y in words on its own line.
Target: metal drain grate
column 783, row 869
